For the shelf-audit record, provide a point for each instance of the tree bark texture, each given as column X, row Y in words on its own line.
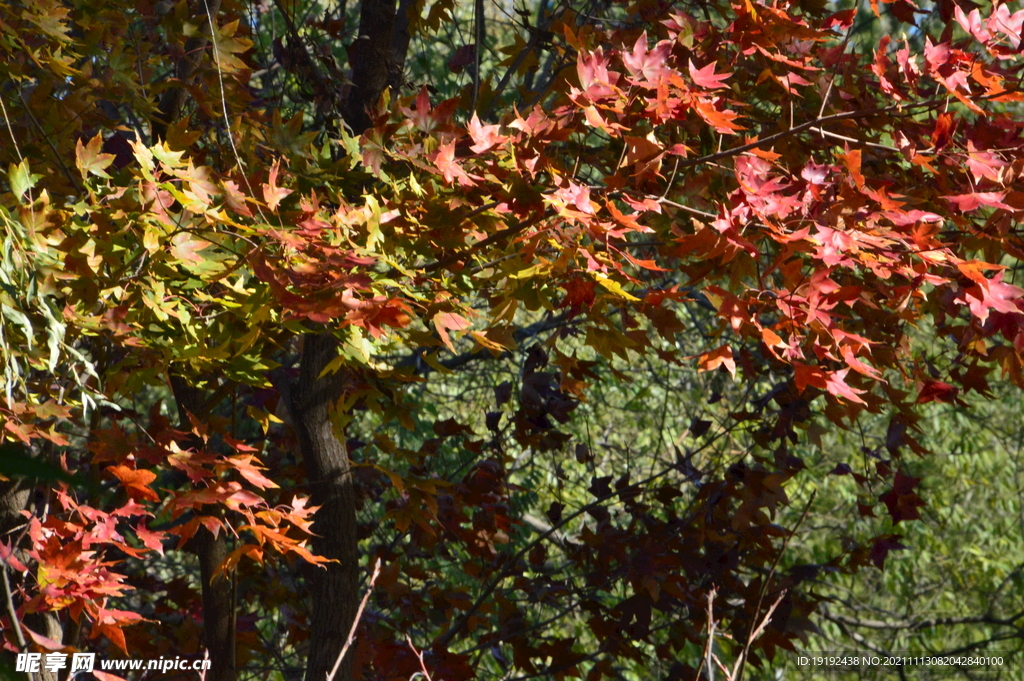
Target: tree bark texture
column 370, row 56
column 335, row 590
column 377, row 58
column 218, row 605
column 400, row 37
column 218, row 592
column 15, row 497
column 173, row 99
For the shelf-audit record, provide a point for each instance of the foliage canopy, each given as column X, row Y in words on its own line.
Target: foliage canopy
column 292, row 288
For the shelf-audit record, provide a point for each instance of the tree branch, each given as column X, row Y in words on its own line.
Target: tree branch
column 510, row 563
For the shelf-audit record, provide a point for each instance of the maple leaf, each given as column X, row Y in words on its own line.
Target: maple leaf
column 968, row 202
column 592, row 69
column 935, row 56
column 241, row 498
column 852, row 160
column 462, row 57
column 10, row 558
column 580, row 294
column 992, row 294
column 484, row 136
column 720, row 119
column 936, row 391
column 835, row 383
column 972, row 23
column 574, row 201
column 706, row 76
column 43, row 642
column 984, row 164
column 135, row 481
column 450, row 169
column 185, row 247
column 1009, row 25
column 901, row 501
column 227, row 45
column 449, row 321
column 904, row 11
column 89, row 159
column 273, row 194
column 111, row 632
column 880, row 67
column 860, row 367
column 648, row 66
column 945, row 126
column 248, row 470
column 908, row 64
column 234, row 199
column 882, row 546
column 419, row 115
column 231, row 562
column 152, row 540
column 722, row 356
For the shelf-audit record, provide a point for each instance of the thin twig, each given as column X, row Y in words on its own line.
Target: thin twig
column 854, row 140
column 12, row 613
column 419, row 656
column 10, row 130
column 738, row 666
column 510, row 564
column 224, row 106
column 751, row 634
column 355, row 623
column 816, row 122
column 49, row 142
column 688, row 209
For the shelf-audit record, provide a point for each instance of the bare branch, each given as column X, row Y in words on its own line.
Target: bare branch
column 355, row 623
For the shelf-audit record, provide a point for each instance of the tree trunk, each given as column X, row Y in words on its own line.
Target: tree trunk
column 377, row 56
column 335, row 590
column 371, row 55
column 15, row 497
column 218, row 605
column 173, row 100
column 218, row 593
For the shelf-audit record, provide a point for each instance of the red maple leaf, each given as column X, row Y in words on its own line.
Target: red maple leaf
column 484, row 136
column 901, row 500
column 992, row 294
column 449, row 321
column 449, row 167
column 882, row 546
column 835, row 383
column 648, row 66
column 706, row 76
column 273, row 194
column 136, row 482
column 718, row 357
column 936, row 391
column 975, row 200
column 720, row 119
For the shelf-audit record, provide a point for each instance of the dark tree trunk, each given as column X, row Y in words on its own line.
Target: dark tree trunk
column 371, row 57
column 15, row 497
column 377, row 58
column 400, row 38
column 218, row 592
column 173, row 99
column 335, row 590
column 218, row 605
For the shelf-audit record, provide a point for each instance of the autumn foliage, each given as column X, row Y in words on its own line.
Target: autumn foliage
column 735, row 189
